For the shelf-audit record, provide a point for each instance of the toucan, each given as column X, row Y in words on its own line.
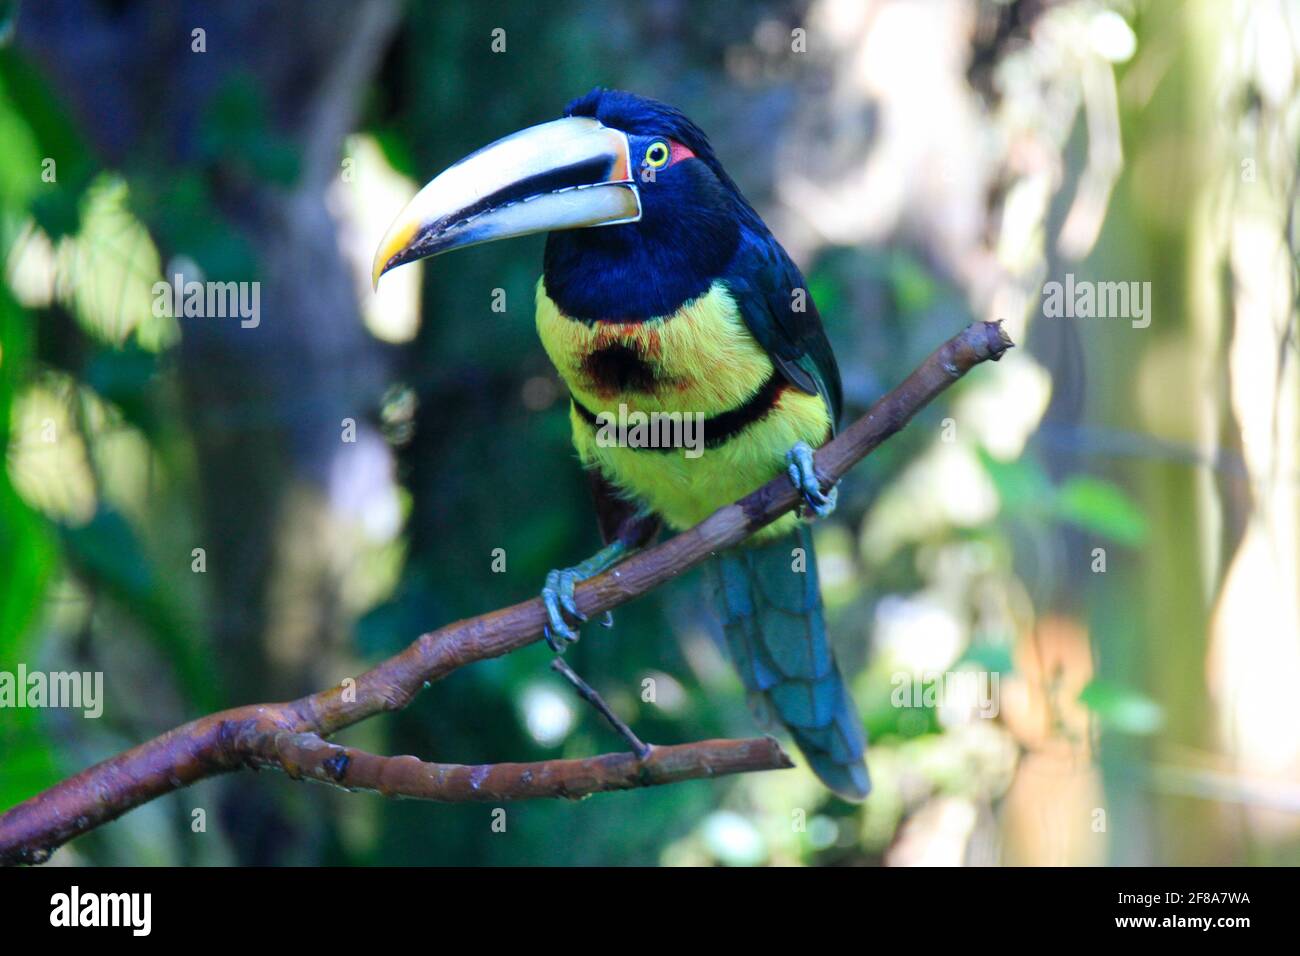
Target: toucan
column 664, row 294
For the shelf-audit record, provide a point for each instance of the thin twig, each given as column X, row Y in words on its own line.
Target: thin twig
column 588, row 693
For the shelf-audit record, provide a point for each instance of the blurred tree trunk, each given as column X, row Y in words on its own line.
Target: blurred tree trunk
column 241, row 139
column 1164, row 379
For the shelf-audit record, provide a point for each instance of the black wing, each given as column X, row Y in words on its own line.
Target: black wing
column 779, row 312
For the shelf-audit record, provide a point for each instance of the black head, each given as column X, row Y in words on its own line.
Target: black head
column 639, row 213
column 688, row 231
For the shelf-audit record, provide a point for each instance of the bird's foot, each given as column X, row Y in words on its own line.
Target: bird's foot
column 558, row 596
column 803, row 475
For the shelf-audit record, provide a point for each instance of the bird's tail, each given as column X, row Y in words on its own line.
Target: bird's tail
column 771, row 610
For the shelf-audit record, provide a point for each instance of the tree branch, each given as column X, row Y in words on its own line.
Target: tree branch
column 289, row 736
column 307, row 756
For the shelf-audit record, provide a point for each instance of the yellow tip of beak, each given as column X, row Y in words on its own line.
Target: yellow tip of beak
column 397, row 240
column 458, row 207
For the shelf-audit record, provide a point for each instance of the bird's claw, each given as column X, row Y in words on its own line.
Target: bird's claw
column 558, row 597
column 803, row 475
column 561, row 603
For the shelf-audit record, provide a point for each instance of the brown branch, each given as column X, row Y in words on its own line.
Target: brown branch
column 307, row 756
column 286, row 735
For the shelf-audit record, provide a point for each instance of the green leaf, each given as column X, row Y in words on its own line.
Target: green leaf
column 913, row 288
column 27, row 560
column 1122, row 708
column 34, row 126
column 127, row 377
column 985, row 656
column 20, row 160
column 1101, row 507
column 397, row 151
column 883, row 718
column 1022, row 485
column 27, row 553
column 29, row 757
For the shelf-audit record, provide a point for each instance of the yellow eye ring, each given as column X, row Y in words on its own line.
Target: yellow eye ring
column 657, row 154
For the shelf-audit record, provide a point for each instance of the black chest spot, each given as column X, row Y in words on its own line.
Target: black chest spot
column 618, row 369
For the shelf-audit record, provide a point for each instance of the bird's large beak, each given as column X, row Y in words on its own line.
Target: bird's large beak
column 566, row 174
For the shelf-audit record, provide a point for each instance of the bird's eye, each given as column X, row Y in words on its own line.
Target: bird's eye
column 656, row 154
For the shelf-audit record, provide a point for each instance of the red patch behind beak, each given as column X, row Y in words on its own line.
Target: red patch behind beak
column 678, row 152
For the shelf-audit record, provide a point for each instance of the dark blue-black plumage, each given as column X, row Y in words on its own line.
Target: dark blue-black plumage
column 696, row 229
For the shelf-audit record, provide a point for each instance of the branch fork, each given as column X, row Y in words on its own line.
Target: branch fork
column 291, row 736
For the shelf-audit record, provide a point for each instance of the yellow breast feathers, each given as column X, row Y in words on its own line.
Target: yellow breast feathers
column 701, row 359
column 700, row 362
